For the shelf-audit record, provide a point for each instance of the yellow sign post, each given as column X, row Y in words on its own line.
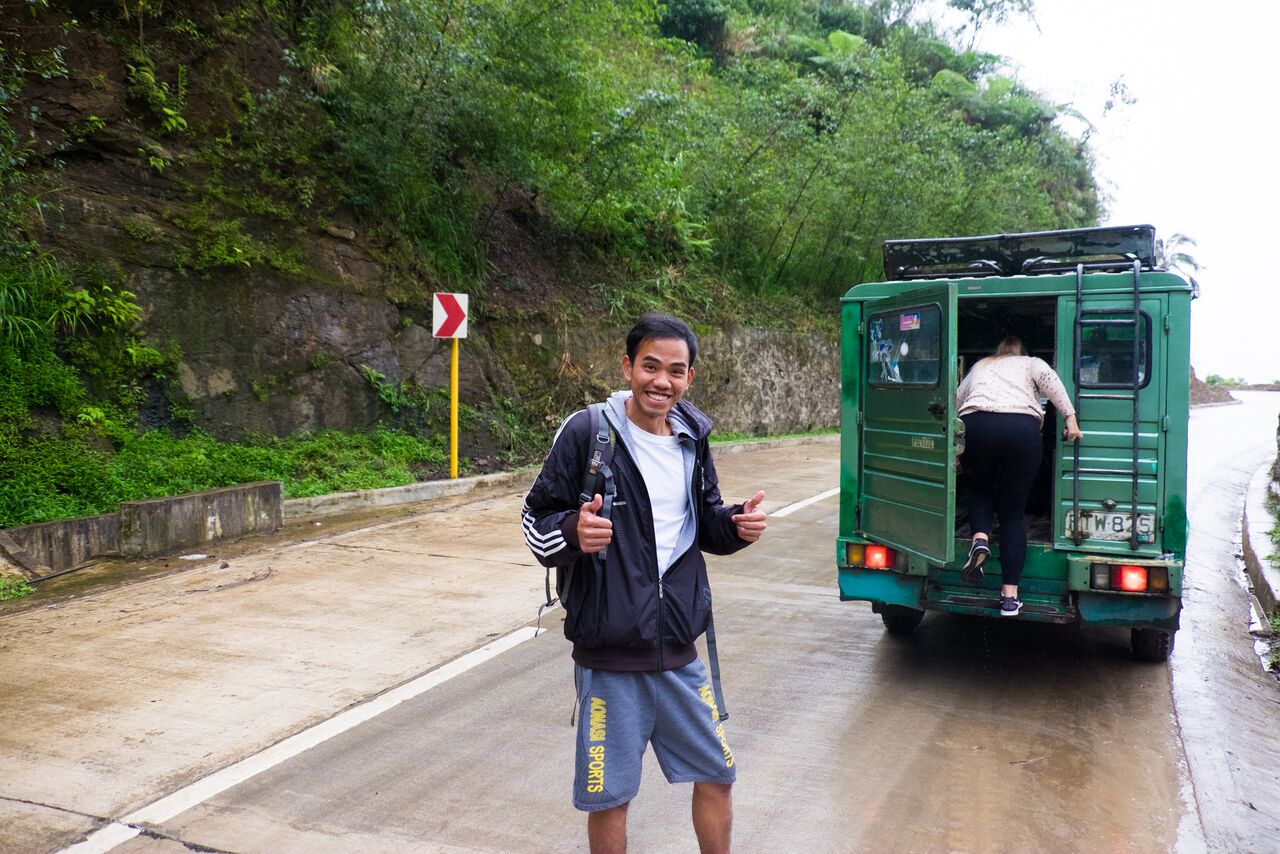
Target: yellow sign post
column 449, row 320
column 453, row 412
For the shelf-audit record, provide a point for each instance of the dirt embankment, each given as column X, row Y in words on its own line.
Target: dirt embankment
column 1202, row 392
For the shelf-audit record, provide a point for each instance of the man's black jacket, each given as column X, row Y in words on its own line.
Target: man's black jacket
column 618, row 614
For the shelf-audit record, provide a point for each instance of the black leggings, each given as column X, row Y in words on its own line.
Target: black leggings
column 1001, row 457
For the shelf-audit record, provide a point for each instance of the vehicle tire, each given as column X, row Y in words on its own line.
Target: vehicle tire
column 1151, row 644
column 901, row 621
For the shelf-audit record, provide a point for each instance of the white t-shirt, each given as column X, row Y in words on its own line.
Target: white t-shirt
column 661, row 463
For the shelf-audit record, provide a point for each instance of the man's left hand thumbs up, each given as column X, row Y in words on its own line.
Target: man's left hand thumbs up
column 752, row 521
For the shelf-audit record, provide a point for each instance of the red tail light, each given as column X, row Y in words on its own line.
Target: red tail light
column 867, row 556
column 1131, row 579
column 878, row 557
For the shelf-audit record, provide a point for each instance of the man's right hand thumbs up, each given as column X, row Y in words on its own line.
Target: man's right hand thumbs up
column 594, row 532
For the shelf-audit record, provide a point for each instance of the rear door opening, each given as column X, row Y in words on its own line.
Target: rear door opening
column 982, row 323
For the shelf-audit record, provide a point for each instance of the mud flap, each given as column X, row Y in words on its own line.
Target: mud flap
column 878, row 586
column 1117, row 609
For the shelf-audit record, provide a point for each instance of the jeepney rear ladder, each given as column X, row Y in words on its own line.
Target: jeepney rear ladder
column 1090, row 317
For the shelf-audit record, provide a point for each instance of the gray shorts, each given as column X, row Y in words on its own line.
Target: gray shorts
column 620, row 713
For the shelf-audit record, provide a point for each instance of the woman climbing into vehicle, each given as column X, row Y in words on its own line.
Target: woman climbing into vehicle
column 999, row 403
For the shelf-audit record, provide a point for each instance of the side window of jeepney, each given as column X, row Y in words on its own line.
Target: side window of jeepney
column 1106, row 352
column 904, row 346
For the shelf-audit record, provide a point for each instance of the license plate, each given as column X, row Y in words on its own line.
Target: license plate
column 1100, row 525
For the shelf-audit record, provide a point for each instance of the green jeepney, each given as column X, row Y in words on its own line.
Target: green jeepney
column 1106, row 520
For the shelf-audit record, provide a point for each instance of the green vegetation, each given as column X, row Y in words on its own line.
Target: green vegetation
column 79, row 474
column 1273, row 506
column 1224, row 382
column 1273, row 660
column 730, row 437
column 768, row 147
column 14, row 589
column 74, row 373
column 165, row 103
column 730, row 160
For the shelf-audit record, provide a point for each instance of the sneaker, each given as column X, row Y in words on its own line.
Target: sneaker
column 978, row 554
column 1010, row 606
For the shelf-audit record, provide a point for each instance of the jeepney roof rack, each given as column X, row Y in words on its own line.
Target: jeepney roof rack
column 1031, row 253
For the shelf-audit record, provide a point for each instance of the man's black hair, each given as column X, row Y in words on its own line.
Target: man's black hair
column 654, row 326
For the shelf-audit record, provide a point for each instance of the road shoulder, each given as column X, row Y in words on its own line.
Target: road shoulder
column 1256, row 526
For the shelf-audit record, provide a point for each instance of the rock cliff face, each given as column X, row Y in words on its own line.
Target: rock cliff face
column 312, row 329
column 277, row 355
column 260, row 351
column 747, row 380
column 269, row 355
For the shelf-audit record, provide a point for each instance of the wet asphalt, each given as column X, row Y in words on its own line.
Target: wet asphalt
column 971, row 735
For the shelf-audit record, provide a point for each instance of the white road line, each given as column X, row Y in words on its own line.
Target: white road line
column 800, row 505
column 203, row 789
column 104, row 840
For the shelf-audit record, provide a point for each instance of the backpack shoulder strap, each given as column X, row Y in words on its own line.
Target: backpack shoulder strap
column 713, row 654
column 599, row 459
column 713, row 660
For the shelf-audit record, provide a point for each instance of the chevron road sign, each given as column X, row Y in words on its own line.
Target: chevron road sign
column 449, row 315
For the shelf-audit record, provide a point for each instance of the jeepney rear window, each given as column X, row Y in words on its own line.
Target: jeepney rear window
column 904, row 346
column 1106, row 352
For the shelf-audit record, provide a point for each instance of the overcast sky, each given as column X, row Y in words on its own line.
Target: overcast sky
column 1198, row 153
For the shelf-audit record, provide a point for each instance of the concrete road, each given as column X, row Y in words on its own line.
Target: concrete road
column 1228, row 709
column 972, row 736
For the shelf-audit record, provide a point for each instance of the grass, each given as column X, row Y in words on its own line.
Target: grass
column 1273, row 661
column 59, row 477
column 91, row 469
column 14, row 589
column 730, row 437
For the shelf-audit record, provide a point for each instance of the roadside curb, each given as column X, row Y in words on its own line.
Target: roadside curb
column 1255, row 527
column 337, row 503
column 754, row 444
column 1234, row 402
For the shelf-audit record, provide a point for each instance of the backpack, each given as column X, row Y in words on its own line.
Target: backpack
column 598, row 479
column 599, row 457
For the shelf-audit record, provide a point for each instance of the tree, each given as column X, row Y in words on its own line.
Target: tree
column 981, row 12
column 701, row 22
column 1172, row 255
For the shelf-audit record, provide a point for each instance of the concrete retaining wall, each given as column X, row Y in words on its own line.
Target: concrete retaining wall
column 143, row 528
column 63, row 544
column 162, row 524
column 365, row 499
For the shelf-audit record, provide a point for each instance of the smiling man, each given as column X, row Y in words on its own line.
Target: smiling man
column 633, row 583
